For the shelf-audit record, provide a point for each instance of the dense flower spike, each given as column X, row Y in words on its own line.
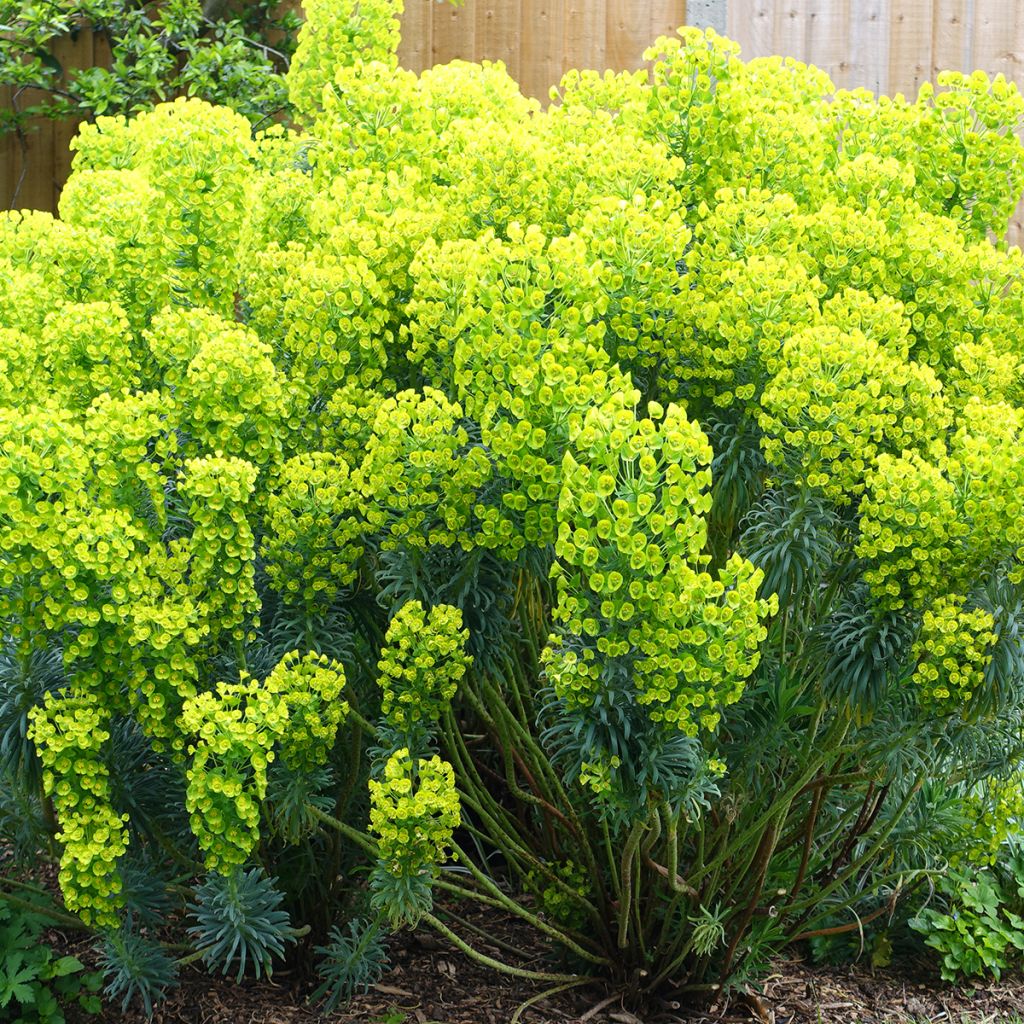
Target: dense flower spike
column 236, row 733
column 414, row 810
column 422, row 664
column 312, row 544
column 632, row 585
column 71, row 733
column 952, row 651
column 837, row 401
column 222, row 546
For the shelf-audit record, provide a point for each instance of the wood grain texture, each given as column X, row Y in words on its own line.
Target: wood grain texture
column 910, row 46
column 453, row 36
column 868, row 47
column 541, row 45
column 628, row 26
column 499, row 32
column 586, row 37
column 752, row 25
column 416, row 48
column 666, row 18
column 952, row 36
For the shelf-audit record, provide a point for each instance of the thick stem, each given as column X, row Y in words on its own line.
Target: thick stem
column 520, row 911
column 364, row 842
column 761, row 863
column 626, row 875
column 497, row 965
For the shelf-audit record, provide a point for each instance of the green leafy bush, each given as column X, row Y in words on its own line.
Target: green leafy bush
column 611, row 514
column 37, row 985
column 979, row 934
column 227, row 53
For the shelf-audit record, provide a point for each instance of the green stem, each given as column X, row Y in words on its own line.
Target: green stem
column 626, row 874
column 363, row 724
column 360, row 839
column 865, row 857
column 520, row 911
column 497, row 965
column 546, row 994
column 66, row 920
column 610, row 854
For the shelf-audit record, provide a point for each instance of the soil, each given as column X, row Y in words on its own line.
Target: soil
column 432, row 983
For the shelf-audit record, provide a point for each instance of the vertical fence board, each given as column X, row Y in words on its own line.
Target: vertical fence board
column 952, row 32
column 910, row 46
column 72, row 53
column 416, row 48
column 790, row 34
column 32, row 167
column 752, row 25
column 453, row 36
column 542, row 44
column 498, row 32
column 8, row 158
column 586, row 37
column 825, row 43
column 628, row 29
column 996, row 42
column 868, row 61
column 666, row 18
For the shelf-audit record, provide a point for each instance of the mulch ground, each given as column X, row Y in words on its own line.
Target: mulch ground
column 432, row 983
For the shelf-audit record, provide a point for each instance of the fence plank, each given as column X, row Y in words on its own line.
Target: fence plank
column 498, row 32
column 453, row 35
column 952, row 36
column 416, row 48
column 910, row 45
column 666, row 18
column 752, row 25
column 72, row 54
column 542, row 45
column 869, row 47
column 33, row 169
column 586, row 37
column 996, row 39
column 625, row 41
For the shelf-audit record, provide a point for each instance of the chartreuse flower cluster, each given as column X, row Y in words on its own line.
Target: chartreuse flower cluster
column 223, row 547
column 323, row 313
column 370, row 32
column 632, row 583
column 70, row 733
column 233, row 398
column 420, row 476
column 837, row 401
column 414, row 811
column 952, row 651
column 310, row 687
column 995, row 809
column 910, row 531
column 313, row 538
column 237, row 731
column 421, row 666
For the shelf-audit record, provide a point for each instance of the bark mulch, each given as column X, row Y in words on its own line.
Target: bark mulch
column 432, row 983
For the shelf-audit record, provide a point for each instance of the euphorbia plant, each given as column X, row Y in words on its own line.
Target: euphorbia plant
column 609, row 514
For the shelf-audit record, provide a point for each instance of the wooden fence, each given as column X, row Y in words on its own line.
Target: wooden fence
column 885, row 45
